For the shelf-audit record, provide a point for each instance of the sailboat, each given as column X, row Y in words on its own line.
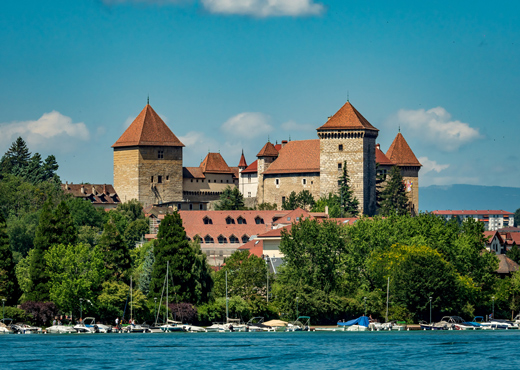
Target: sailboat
column 133, row 327
column 170, row 325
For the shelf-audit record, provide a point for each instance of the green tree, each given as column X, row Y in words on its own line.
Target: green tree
column 132, row 209
column 115, row 296
column 145, row 270
column 135, row 231
column 517, row 217
column 230, row 199
column 348, row 202
column 305, row 199
column 514, row 253
column 267, row 207
column 172, row 246
column 291, row 202
column 246, row 273
column 116, row 254
column 23, row 276
column 380, row 180
column 331, row 201
column 75, row 271
column 89, row 235
column 9, row 289
column 16, row 158
column 84, row 213
column 394, row 198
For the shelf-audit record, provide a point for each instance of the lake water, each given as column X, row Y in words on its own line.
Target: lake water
column 300, row 350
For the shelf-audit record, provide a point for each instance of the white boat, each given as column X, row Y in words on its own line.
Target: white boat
column 193, row 328
column 256, row 324
column 21, row 328
column 359, row 324
column 60, row 329
column 84, row 329
column 4, row 330
column 302, row 323
column 172, row 326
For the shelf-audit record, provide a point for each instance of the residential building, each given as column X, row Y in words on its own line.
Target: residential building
column 100, row 195
column 492, row 219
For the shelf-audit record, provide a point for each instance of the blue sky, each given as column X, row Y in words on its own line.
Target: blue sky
column 226, row 74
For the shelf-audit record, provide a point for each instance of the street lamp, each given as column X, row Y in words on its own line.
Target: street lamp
column 297, row 308
column 81, row 309
column 267, row 289
column 3, row 315
column 430, row 310
column 493, row 307
column 154, row 306
column 365, row 298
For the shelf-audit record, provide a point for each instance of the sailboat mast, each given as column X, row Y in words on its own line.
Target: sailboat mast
column 167, row 272
column 227, row 308
column 131, row 299
column 387, row 292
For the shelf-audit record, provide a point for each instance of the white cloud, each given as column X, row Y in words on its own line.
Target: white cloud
column 264, row 8
column 52, row 130
column 294, row 126
column 247, row 125
column 429, row 165
column 436, row 126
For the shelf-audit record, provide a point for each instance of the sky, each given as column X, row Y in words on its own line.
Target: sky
column 227, row 75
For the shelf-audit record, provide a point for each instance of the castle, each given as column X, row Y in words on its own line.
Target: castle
column 148, row 165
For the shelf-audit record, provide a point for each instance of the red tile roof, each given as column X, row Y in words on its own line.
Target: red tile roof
column 275, row 233
column 490, row 235
column 97, row 194
column 506, row 265
column 192, row 173
column 381, row 158
column 268, row 151
column 148, row 129
column 193, row 222
column 297, row 157
column 255, row 247
column 252, row 168
column 471, row 213
column 347, row 118
column 293, row 216
column 242, row 162
column 214, row 163
column 400, row 153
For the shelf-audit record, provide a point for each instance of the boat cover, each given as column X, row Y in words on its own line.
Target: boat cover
column 362, row 321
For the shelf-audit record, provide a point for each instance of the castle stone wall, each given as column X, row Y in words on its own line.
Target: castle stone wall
column 274, row 193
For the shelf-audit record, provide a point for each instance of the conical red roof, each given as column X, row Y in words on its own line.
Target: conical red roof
column 347, row 118
column 400, row 153
column 148, row 129
column 242, row 162
column 268, row 151
column 214, row 163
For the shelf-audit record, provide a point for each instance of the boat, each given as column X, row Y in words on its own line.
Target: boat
column 84, row 329
column 494, row 324
column 359, row 324
column 172, row 326
column 257, row 324
column 390, row 325
column 193, row 328
column 6, row 328
column 432, row 326
column 302, row 323
column 278, row 325
column 60, row 329
column 22, row 328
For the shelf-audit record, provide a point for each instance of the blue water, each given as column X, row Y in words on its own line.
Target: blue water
column 303, row 350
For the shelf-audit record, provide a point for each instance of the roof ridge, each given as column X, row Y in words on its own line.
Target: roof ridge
column 347, row 118
column 401, row 154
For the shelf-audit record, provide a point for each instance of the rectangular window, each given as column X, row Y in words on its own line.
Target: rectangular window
column 249, row 178
column 201, row 206
column 202, row 180
column 304, row 181
column 179, row 206
column 160, row 154
column 283, row 199
column 159, row 179
column 340, row 147
column 191, row 206
column 151, row 180
column 249, row 194
column 340, row 166
column 167, row 177
column 277, row 181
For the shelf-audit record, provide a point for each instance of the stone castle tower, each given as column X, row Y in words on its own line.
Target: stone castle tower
column 266, row 156
column 148, row 161
column 402, row 156
column 348, row 136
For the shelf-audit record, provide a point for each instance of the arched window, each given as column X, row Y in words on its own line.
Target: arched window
column 259, row 220
column 207, row 220
column 241, row 220
column 230, row 220
column 208, row 239
column 245, row 238
column 222, row 239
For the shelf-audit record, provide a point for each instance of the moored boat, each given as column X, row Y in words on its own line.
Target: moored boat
column 359, row 324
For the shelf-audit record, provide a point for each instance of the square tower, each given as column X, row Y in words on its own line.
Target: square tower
column 148, row 161
column 348, row 136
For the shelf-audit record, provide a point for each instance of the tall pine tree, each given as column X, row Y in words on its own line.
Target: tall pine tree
column 172, row 246
column 16, row 158
column 116, row 253
column 348, row 202
column 9, row 289
column 54, row 227
column 394, row 199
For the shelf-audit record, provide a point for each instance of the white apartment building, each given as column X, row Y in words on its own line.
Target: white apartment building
column 492, row 219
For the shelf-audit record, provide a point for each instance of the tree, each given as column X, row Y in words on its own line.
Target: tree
column 135, row 231
column 115, row 298
column 41, row 312
column 348, row 202
column 305, row 199
column 517, row 217
column 514, row 253
column 9, row 289
column 116, row 254
column 132, row 209
column 230, row 199
column 246, row 274
column 173, row 247
column 75, row 271
column 331, row 201
column 267, row 207
column 394, row 198
column 16, row 158
column 380, row 180
column 84, row 213
column 291, row 202
column 145, row 273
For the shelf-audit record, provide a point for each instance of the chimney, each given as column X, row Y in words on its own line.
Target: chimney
column 67, row 185
column 378, row 146
column 284, row 142
column 82, row 189
column 104, row 189
column 94, row 190
column 327, row 210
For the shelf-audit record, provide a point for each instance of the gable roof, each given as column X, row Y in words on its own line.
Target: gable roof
column 381, row 158
column 147, row 129
column 214, row 163
column 255, row 247
column 252, row 168
column 242, row 162
column 301, row 156
column 506, row 265
column 192, row 173
column 400, row 152
column 268, row 150
column 490, row 235
column 347, row 118
column 98, row 194
column 294, row 216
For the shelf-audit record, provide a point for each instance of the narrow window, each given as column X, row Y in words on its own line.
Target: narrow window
column 201, row 206
column 191, row 180
column 179, row 206
column 159, row 179
column 160, row 154
column 167, row 177
column 283, row 199
column 340, row 147
column 249, row 194
column 340, row 166
column 277, row 181
column 191, row 206
column 304, row 181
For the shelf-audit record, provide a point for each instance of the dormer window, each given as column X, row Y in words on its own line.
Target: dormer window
column 207, row 221
column 222, row 239
column 259, row 220
column 230, row 220
column 241, row 220
column 233, row 239
column 208, row 239
column 245, row 238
